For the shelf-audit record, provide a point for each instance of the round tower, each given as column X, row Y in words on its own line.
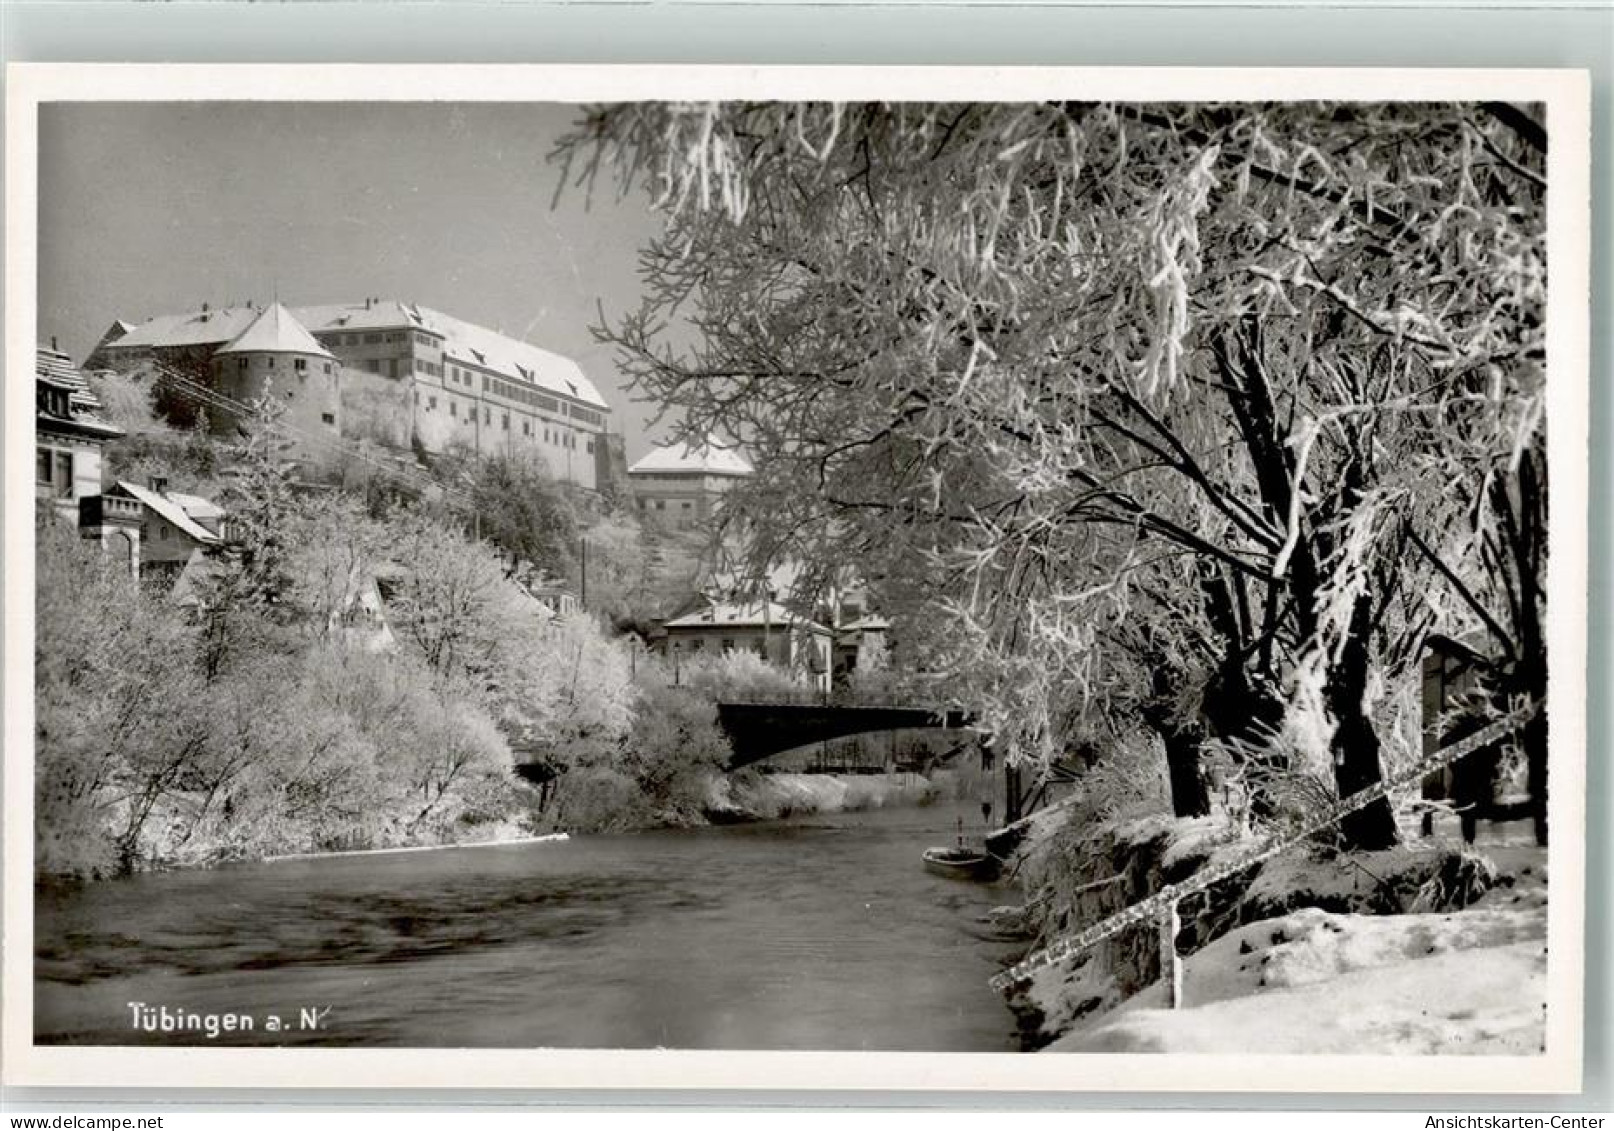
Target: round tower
column 276, row 356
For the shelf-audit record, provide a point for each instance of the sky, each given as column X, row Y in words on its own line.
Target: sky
column 155, row 208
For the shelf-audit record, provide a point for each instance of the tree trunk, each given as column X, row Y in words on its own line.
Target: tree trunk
column 1183, row 739
column 1189, row 797
column 1355, row 745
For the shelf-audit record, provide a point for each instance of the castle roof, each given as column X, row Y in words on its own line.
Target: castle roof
column 700, row 459
column 463, row 341
column 275, row 330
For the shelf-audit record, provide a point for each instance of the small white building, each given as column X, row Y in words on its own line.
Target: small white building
column 175, row 529
column 679, row 485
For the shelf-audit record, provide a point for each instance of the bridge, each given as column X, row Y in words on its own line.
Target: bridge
column 757, row 731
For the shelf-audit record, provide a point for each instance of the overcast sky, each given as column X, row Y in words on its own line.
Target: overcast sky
column 155, row 208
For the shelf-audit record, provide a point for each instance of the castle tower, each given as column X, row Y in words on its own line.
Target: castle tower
column 276, row 356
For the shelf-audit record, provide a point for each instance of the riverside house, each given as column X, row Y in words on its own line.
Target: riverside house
column 766, row 628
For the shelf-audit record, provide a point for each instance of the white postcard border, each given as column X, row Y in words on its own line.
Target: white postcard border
column 1567, row 95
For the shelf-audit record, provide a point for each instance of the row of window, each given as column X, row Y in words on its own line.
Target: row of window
column 727, row 644
column 555, row 436
column 299, row 364
column 433, row 368
column 661, row 504
column 387, row 366
column 376, row 338
column 509, row 390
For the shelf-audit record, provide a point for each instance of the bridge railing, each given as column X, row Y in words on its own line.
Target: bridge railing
column 1162, row 906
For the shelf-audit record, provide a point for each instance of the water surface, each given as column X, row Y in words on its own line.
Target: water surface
column 820, row 933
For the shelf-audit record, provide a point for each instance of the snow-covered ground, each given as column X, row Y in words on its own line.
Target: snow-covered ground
column 1309, row 981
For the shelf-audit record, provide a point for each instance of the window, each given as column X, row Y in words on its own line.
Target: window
column 328, row 418
column 686, row 505
column 696, row 645
column 300, row 364
column 431, row 402
column 526, row 428
column 453, row 409
column 328, row 368
column 64, row 474
column 162, row 531
column 487, row 415
column 506, row 423
column 372, row 339
column 240, row 363
column 642, row 504
column 661, row 505
column 271, row 362
column 42, row 465
column 728, row 645
column 590, row 446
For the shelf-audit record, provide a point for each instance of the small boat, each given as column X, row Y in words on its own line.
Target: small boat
column 962, row 863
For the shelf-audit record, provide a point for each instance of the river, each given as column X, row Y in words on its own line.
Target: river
column 816, row 933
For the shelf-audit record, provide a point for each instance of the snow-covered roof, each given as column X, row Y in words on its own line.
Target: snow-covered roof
column 462, row 341
column 734, row 614
column 170, row 510
column 702, row 459
column 196, row 506
column 471, row 344
column 276, row 330
column 54, row 369
column 57, row 368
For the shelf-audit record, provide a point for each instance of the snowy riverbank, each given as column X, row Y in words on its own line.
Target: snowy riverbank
column 1425, row 949
column 770, row 797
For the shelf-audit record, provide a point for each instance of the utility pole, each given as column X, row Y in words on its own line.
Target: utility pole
column 582, row 596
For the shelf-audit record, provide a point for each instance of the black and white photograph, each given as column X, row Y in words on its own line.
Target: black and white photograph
column 1051, row 570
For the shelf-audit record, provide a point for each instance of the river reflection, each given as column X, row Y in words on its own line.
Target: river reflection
column 821, row 933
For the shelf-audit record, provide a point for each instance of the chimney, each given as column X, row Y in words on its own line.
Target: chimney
column 53, row 348
column 204, row 308
column 367, row 304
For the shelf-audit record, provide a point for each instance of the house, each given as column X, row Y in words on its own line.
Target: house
column 176, row 530
column 427, row 378
column 69, row 434
column 766, row 628
column 69, row 442
column 678, row 486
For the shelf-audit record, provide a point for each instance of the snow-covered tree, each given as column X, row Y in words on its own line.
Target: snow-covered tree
column 1091, row 381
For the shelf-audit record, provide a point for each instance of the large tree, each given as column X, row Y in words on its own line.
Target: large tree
column 1209, row 372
